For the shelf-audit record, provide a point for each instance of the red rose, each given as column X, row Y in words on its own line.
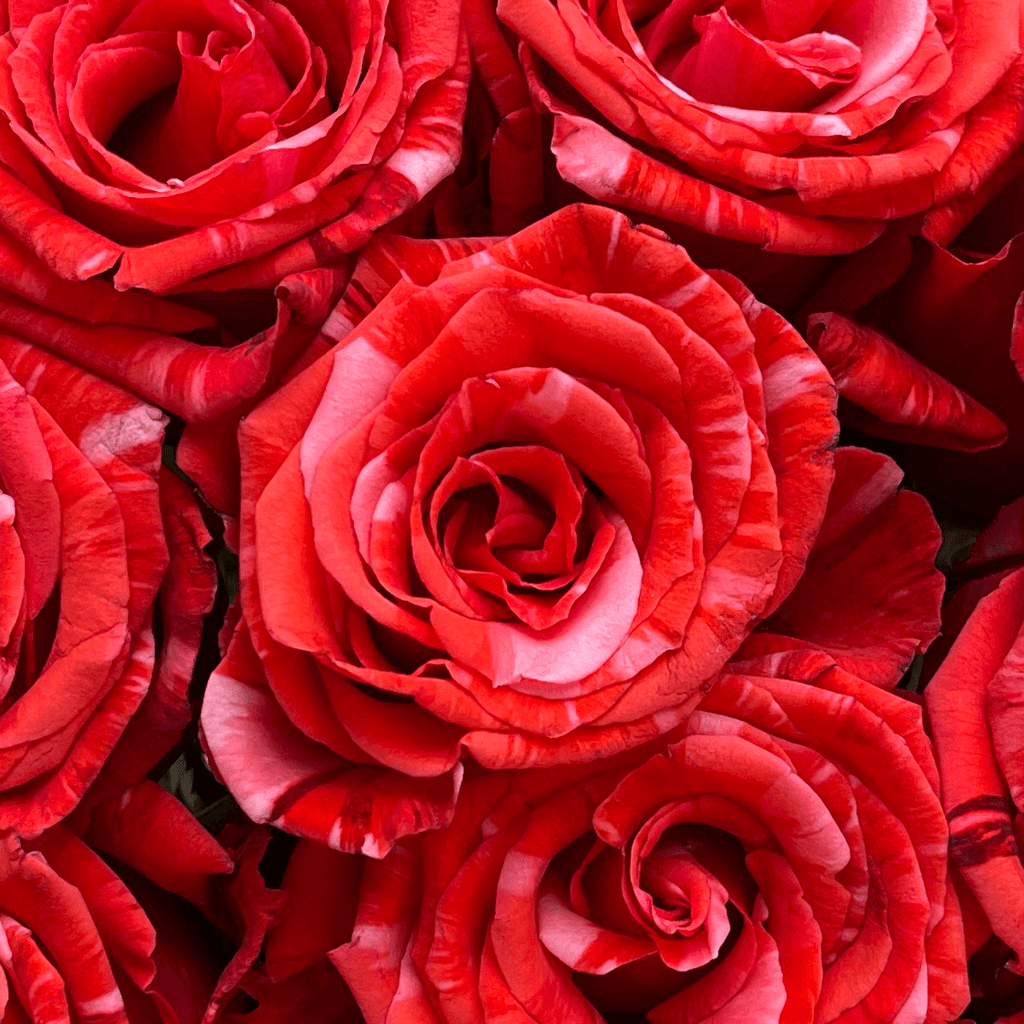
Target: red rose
column 91, row 939
column 213, row 150
column 782, row 858
column 293, row 977
column 83, row 550
column 976, row 703
column 532, row 504
column 802, row 128
column 168, row 142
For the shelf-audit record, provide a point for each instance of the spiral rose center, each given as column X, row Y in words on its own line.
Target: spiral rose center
column 754, row 56
column 207, row 90
column 520, row 524
column 688, row 886
column 684, row 896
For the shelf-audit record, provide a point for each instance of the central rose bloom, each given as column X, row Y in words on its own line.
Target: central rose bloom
column 531, row 504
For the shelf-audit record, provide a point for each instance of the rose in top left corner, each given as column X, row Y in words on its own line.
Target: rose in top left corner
column 227, row 156
column 169, row 141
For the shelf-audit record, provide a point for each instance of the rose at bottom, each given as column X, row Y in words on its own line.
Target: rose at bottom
column 780, row 857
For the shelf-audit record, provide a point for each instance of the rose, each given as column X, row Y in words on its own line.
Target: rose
column 302, row 747
column 782, row 858
column 974, row 700
column 83, row 551
column 94, row 919
column 531, row 504
column 171, row 142
column 271, row 188
column 804, row 129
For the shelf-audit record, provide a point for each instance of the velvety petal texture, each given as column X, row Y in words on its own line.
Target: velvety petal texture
column 870, row 595
column 534, row 498
column 780, row 857
column 976, row 703
column 804, row 128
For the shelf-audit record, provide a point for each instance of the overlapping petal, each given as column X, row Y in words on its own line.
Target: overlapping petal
column 804, row 128
column 974, row 700
column 85, row 552
column 870, row 594
column 781, row 856
column 114, row 940
column 923, row 340
column 460, row 592
column 170, row 147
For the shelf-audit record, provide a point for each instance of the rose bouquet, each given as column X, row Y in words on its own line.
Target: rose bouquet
column 511, row 512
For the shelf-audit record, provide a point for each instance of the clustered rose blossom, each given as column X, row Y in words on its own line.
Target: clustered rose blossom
column 512, row 528
column 802, row 127
column 166, row 142
column 780, row 856
column 550, row 562
column 511, row 512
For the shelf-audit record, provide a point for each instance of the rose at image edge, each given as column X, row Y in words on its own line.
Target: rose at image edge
column 90, row 524
column 276, row 186
column 974, row 689
column 782, row 855
column 801, row 130
column 974, row 698
column 486, row 494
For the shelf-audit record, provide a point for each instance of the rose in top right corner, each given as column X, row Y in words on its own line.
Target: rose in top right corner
column 803, row 127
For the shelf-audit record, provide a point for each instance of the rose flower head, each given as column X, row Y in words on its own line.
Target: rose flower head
column 98, row 639
column 170, row 140
column 779, row 858
column 975, row 700
column 801, row 127
column 524, row 509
